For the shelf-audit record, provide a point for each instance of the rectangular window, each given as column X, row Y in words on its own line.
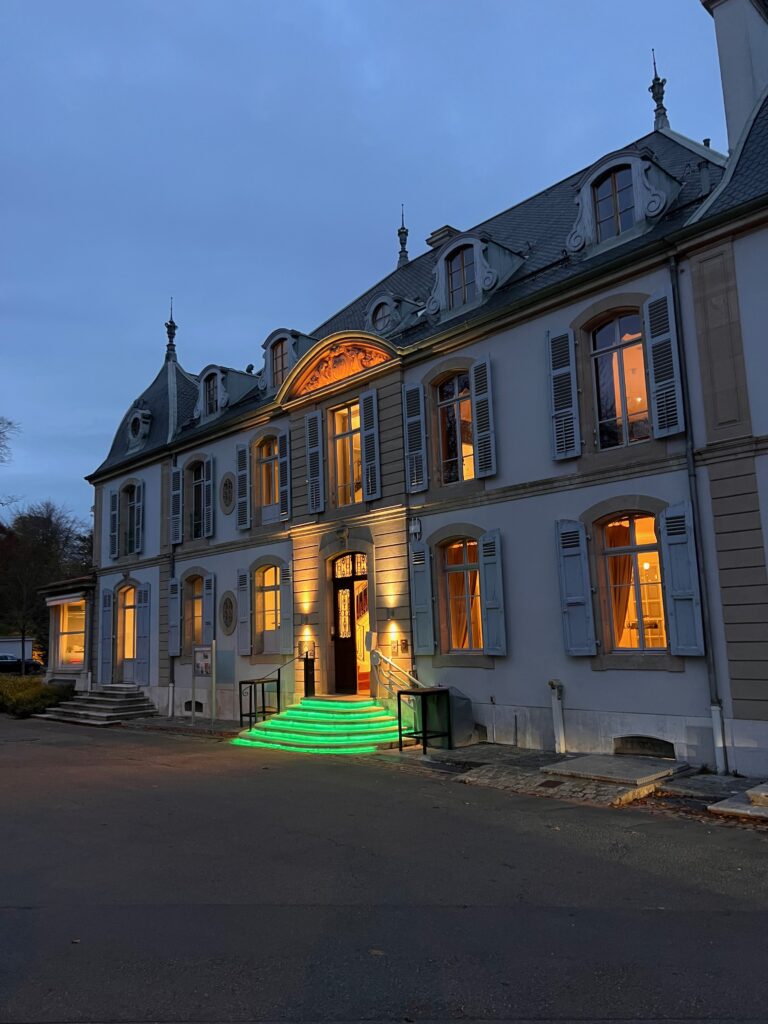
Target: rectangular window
column 130, row 520
column 347, row 454
column 633, row 575
column 193, row 613
column 198, row 484
column 454, row 410
column 279, row 362
column 71, row 644
column 211, row 394
column 462, row 572
column 269, row 483
column 621, row 392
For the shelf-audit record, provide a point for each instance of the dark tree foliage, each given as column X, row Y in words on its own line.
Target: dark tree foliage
column 40, row 545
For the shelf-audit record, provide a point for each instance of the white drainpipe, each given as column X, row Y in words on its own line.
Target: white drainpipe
column 558, row 718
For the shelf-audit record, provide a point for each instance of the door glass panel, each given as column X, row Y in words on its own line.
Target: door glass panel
column 344, row 604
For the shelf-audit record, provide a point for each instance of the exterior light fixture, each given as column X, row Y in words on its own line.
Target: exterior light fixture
column 390, row 613
column 307, row 649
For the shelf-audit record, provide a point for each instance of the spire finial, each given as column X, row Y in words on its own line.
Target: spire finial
column 656, row 89
column 170, row 330
column 402, row 234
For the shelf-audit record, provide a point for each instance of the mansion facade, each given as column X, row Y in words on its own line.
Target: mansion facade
column 531, row 464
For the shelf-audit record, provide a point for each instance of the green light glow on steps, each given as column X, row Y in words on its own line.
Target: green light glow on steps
column 316, row 726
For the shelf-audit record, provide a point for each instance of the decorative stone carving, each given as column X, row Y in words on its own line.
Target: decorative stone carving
column 342, row 359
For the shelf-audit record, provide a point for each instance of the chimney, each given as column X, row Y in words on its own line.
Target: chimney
column 741, row 27
column 441, row 235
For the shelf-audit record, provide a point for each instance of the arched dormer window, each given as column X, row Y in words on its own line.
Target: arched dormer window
column 280, row 354
column 460, row 268
column 279, row 361
column 211, row 395
column 613, row 196
column 381, row 317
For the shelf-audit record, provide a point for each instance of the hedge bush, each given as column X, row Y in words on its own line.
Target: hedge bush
column 22, row 696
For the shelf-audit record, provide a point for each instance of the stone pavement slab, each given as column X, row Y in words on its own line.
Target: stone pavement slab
column 530, row 783
column 740, row 806
column 621, row 768
column 708, row 788
column 759, row 794
column 184, row 726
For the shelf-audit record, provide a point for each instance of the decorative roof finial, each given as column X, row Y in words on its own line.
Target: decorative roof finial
column 656, row 89
column 170, row 329
column 402, row 234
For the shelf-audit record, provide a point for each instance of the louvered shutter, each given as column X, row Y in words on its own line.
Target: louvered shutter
column 176, row 509
column 114, row 523
column 106, row 637
column 575, row 588
column 564, row 396
column 369, row 443
column 209, row 608
column 141, row 668
column 482, row 418
column 244, row 615
column 284, row 473
column 663, row 366
column 138, row 536
column 313, row 425
column 415, row 430
column 286, row 610
column 682, row 597
column 421, row 598
column 492, row 594
column 174, row 618
column 208, row 497
column 243, row 486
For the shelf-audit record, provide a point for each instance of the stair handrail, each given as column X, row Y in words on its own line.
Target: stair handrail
column 391, row 684
column 258, row 679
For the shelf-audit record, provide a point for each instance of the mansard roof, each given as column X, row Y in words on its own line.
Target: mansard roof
column 746, row 179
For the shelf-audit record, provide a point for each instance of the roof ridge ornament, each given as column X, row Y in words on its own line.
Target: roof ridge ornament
column 402, row 234
column 656, row 89
column 170, row 329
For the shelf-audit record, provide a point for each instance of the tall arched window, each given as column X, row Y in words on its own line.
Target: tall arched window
column 196, row 481
column 266, row 608
column 461, row 569
column 460, row 270
column 614, row 203
column 193, row 612
column 279, row 362
column 633, row 580
column 621, row 391
column 454, row 412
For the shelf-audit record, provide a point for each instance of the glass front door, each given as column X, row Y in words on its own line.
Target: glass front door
column 351, row 621
column 126, row 636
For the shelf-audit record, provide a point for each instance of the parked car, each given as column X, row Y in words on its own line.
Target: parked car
column 12, row 666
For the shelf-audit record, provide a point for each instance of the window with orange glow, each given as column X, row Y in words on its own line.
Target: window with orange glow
column 454, row 411
column 633, row 577
column 347, row 454
column 462, row 579
column 621, row 391
column 193, row 612
column 71, row 646
column 269, row 492
column 279, row 362
column 267, row 599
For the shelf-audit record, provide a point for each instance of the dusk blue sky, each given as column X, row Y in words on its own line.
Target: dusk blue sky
column 250, row 157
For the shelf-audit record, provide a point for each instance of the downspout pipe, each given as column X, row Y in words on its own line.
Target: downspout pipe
column 715, row 700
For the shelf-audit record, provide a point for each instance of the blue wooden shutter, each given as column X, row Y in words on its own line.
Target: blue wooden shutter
column 575, row 588
column 415, row 430
column 176, row 510
column 141, row 670
column 114, row 523
column 421, row 598
column 208, row 514
column 174, row 618
column 369, row 444
column 244, row 614
column 243, row 486
column 138, row 537
column 313, row 425
column 682, row 597
column 482, row 418
column 284, row 473
column 666, row 398
column 106, row 638
column 492, row 594
column 286, row 610
column 209, row 608
column 564, row 396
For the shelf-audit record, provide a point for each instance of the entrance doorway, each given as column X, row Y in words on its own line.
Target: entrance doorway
column 351, row 621
column 126, row 634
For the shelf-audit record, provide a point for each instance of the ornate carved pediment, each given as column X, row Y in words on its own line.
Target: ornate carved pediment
column 337, row 362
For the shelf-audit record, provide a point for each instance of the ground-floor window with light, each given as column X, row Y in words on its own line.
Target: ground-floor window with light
column 193, row 613
column 634, row 585
column 70, row 651
column 266, row 608
column 462, row 586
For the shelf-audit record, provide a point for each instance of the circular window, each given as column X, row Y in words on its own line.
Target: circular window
column 381, row 318
column 135, row 426
column 227, row 493
column 228, row 612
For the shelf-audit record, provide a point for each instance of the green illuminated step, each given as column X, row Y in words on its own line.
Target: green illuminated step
column 280, row 731
column 296, row 749
column 331, row 720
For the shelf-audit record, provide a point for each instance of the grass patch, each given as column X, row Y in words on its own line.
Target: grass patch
column 22, row 696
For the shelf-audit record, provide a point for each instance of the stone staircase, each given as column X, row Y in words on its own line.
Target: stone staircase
column 326, row 725
column 108, row 705
column 752, row 803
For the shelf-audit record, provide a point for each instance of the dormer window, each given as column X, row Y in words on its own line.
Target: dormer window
column 381, row 317
column 460, row 267
column 211, row 394
column 279, row 362
column 614, row 203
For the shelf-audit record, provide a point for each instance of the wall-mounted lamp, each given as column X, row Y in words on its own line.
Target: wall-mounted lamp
column 307, row 649
column 414, row 528
column 398, row 647
column 390, row 613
